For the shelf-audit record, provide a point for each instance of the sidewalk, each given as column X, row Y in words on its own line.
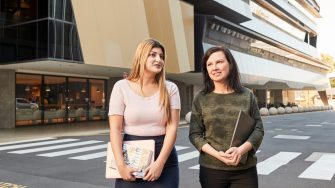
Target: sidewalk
column 57, row 130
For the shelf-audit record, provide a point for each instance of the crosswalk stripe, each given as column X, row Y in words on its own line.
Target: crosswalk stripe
column 187, row 156
column 313, row 125
column 178, row 148
column 23, row 141
column 36, row 144
column 103, row 154
column 55, row 147
column 294, row 137
column 90, row 156
column 276, row 161
column 196, row 167
column 316, row 156
column 72, row 151
column 322, row 169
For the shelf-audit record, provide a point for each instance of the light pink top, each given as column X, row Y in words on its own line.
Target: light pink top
column 143, row 116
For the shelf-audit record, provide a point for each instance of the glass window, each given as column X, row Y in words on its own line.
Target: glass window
column 68, row 11
column 27, row 41
column 77, row 99
column 58, row 4
column 42, row 39
column 97, row 100
column 68, row 34
column 55, row 39
column 42, row 7
column 76, row 48
column 54, row 96
column 28, row 99
column 8, row 46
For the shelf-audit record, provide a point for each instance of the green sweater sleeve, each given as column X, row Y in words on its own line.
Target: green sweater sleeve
column 196, row 131
column 256, row 136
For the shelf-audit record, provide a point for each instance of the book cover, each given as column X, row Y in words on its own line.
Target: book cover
column 137, row 154
column 243, row 128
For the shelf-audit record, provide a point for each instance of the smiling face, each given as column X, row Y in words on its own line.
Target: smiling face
column 155, row 61
column 218, row 67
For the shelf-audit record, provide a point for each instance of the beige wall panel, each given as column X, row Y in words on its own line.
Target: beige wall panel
column 188, row 19
column 165, row 23
column 109, row 30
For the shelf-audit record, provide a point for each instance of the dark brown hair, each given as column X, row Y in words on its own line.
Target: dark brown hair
column 233, row 79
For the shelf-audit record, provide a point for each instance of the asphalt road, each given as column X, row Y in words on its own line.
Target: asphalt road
column 297, row 151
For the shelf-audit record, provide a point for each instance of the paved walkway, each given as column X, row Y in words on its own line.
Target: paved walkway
column 56, row 130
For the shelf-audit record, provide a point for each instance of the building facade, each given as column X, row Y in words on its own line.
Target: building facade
column 59, row 59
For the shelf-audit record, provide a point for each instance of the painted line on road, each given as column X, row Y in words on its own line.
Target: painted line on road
column 36, row 144
column 90, row 156
column 313, row 125
column 276, row 161
column 196, row 167
column 293, row 137
column 188, row 156
column 23, row 141
column 178, row 148
column 316, row 156
column 55, row 147
column 72, row 151
column 322, row 169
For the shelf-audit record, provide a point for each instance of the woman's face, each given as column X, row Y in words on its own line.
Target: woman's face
column 155, row 61
column 218, row 67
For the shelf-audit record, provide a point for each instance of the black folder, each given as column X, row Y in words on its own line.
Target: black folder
column 243, row 128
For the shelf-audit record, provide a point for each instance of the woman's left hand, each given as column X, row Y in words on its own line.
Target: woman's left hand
column 153, row 172
column 236, row 155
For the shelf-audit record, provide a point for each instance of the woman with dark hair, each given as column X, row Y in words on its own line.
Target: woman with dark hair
column 214, row 114
column 144, row 105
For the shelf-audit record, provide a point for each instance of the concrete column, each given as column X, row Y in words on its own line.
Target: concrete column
column 291, row 96
column 261, row 97
column 277, row 95
column 323, row 97
column 7, row 98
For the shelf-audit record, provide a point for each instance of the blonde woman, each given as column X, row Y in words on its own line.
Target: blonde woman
column 146, row 106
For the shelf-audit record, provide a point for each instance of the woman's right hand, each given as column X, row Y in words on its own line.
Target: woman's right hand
column 227, row 158
column 126, row 172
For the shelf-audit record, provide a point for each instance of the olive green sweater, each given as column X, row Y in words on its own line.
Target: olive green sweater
column 213, row 121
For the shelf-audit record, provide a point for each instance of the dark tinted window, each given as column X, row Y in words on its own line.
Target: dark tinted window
column 27, row 38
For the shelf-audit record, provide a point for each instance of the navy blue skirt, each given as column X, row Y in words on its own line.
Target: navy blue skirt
column 170, row 174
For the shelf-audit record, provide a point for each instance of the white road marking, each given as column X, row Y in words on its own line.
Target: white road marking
column 90, row 156
column 294, row 137
column 313, row 125
column 196, row 167
column 316, row 156
column 322, row 169
column 55, row 147
column 36, row 144
column 272, row 163
column 188, row 156
column 178, row 148
column 72, row 151
column 23, row 141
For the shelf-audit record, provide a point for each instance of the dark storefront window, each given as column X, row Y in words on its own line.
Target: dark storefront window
column 38, row 29
column 28, row 99
column 57, row 99
column 97, row 102
column 77, row 99
column 54, row 99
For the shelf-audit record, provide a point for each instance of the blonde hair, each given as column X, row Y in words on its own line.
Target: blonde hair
column 137, row 71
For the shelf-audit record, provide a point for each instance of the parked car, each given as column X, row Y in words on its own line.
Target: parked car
column 22, row 103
